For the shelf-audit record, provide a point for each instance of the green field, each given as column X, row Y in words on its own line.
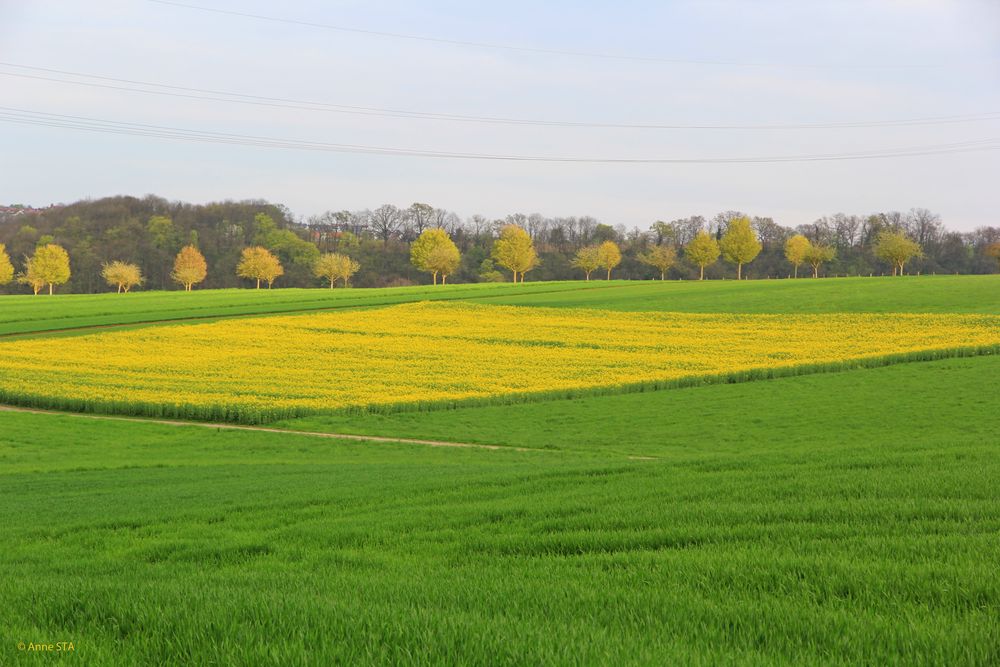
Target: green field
column 833, row 519
column 868, row 406
column 923, row 294
column 910, row 294
column 41, row 313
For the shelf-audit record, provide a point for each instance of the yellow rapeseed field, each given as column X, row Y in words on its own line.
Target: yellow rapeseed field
column 263, row 368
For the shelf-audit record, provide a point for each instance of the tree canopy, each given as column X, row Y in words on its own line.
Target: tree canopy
column 740, row 245
column 993, row 250
column 702, row 250
column 817, row 255
column 6, row 268
column 435, row 253
column 515, row 251
column 587, row 259
column 609, row 255
column 122, row 275
column 897, row 249
column 334, row 266
column 257, row 263
column 190, row 267
column 48, row 266
column 660, row 257
column 796, row 248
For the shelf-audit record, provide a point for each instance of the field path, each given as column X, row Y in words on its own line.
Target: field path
column 265, row 429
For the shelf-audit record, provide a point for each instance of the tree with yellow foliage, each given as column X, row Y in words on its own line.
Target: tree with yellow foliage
column 897, row 249
column 122, row 275
column 32, row 280
column 48, row 266
column 739, row 244
column 6, row 268
column 444, row 259
column 435, row 252
column 660, row 257
column 190, row 267
column 257, row 263
column 348, row 267
column 702, row 250
column 587, row 259
column 992, row 250
column 610, row 256
column 816, row 255
column 515, row 251
column 335, row 266
column 795, row 251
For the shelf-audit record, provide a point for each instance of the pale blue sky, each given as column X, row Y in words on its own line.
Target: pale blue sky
column 804, row 62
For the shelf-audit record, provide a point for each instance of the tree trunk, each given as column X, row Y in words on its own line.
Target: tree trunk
column 333, row 282
column 515, row 276
column 50, row 288
column 816, row 271
column 435, row 274
column 444, row 278
column 588, row 276
column 609, row 274
column 702, row 276
column 739, row 271
column 796, row 270
column 258, row 283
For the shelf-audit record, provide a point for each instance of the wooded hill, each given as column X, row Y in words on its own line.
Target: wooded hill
column 149, row 232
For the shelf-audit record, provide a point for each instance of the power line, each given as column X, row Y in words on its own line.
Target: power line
column 290, row 103
column 525, row 49
column 82, row 123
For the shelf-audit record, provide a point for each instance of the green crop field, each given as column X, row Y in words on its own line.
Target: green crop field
column 841, row 518
column 40, row 313
column 914, row 294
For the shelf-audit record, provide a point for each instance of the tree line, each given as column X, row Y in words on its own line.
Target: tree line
column 126, row 241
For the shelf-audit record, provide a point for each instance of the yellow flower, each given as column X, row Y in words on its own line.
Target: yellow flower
column 264, row 368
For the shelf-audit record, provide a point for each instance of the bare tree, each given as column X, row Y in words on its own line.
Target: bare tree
column 925, row 227
column 820, row 232
column 519, row 219
column 537, row 225
column 720, row 223
column 846, row 230
column 894, row 220
column 420, row 217
column 770, row 233
column 386, row 221
column 479, row 226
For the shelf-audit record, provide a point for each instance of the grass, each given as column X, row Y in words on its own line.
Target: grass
column 832, row 519
column 909, row 294
column 829, row 519
column 865, row 408
column 25, row 314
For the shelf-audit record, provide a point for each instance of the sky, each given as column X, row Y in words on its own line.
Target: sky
column 693, row 63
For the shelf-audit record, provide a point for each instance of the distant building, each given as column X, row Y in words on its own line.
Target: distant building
column 11, row 212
